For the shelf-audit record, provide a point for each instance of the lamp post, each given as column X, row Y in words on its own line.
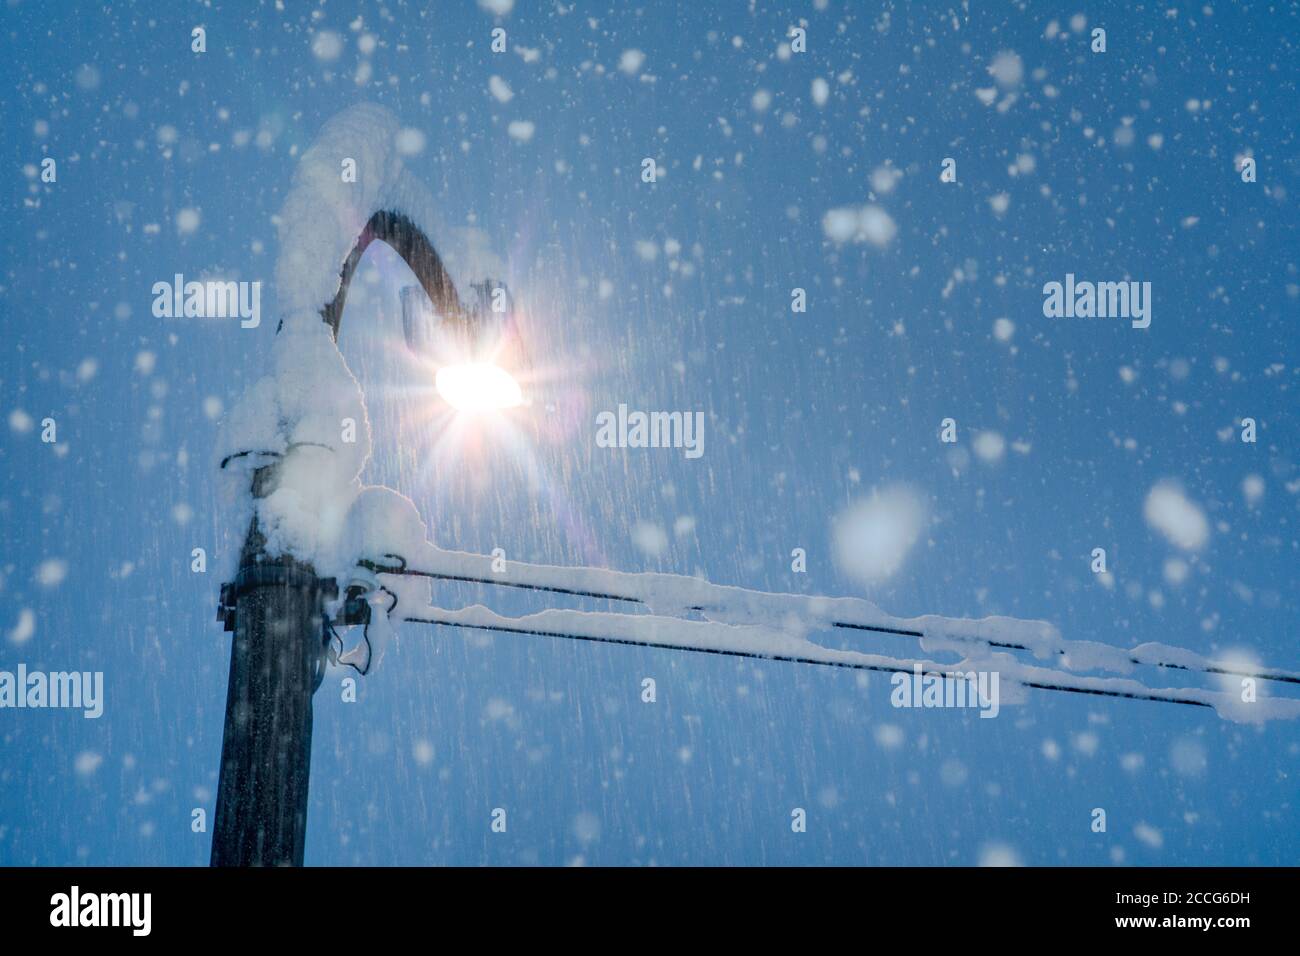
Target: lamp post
column 275, row 608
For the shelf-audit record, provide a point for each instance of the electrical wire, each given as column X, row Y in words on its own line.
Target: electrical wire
column 795, row 659
column 1270, row 674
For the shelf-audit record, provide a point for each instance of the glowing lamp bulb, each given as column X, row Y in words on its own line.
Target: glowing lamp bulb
column 478, row 386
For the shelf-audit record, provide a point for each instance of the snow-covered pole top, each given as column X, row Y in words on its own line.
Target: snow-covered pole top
column 307, row 417
column 325, row 212
column 351, row 188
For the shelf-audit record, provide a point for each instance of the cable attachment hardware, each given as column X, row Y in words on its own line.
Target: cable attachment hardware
column 253, row 576
column 356, row 609
column 375, row 566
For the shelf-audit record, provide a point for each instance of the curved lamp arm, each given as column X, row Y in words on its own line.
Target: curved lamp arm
column 408, row 241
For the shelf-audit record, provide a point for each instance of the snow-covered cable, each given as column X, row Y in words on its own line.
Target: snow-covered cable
column 748, row 641
column 717, row 602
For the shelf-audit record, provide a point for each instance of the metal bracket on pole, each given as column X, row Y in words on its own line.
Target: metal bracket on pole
column 269, row 575
column 355, row 610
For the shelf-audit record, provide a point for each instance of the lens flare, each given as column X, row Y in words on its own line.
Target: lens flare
column 478, row 386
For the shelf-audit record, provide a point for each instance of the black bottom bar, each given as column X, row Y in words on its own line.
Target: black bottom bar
column 936, row 905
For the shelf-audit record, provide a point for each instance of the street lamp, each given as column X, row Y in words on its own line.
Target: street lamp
column 275, row 606
column 473, row 365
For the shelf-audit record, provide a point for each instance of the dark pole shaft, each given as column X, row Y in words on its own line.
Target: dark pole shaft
column 275, row 663
column 275, row 608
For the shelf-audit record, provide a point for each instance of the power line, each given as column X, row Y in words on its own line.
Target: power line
column 796, row 659
column 1271, row 674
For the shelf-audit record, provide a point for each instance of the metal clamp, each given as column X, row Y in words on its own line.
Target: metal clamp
column 252, row 576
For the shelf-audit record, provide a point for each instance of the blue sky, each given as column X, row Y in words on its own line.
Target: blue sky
column 1111, row 166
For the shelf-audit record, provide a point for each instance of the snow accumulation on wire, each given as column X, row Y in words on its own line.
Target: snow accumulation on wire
column 317, row 510
column 758, row 623
column 788, row 645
